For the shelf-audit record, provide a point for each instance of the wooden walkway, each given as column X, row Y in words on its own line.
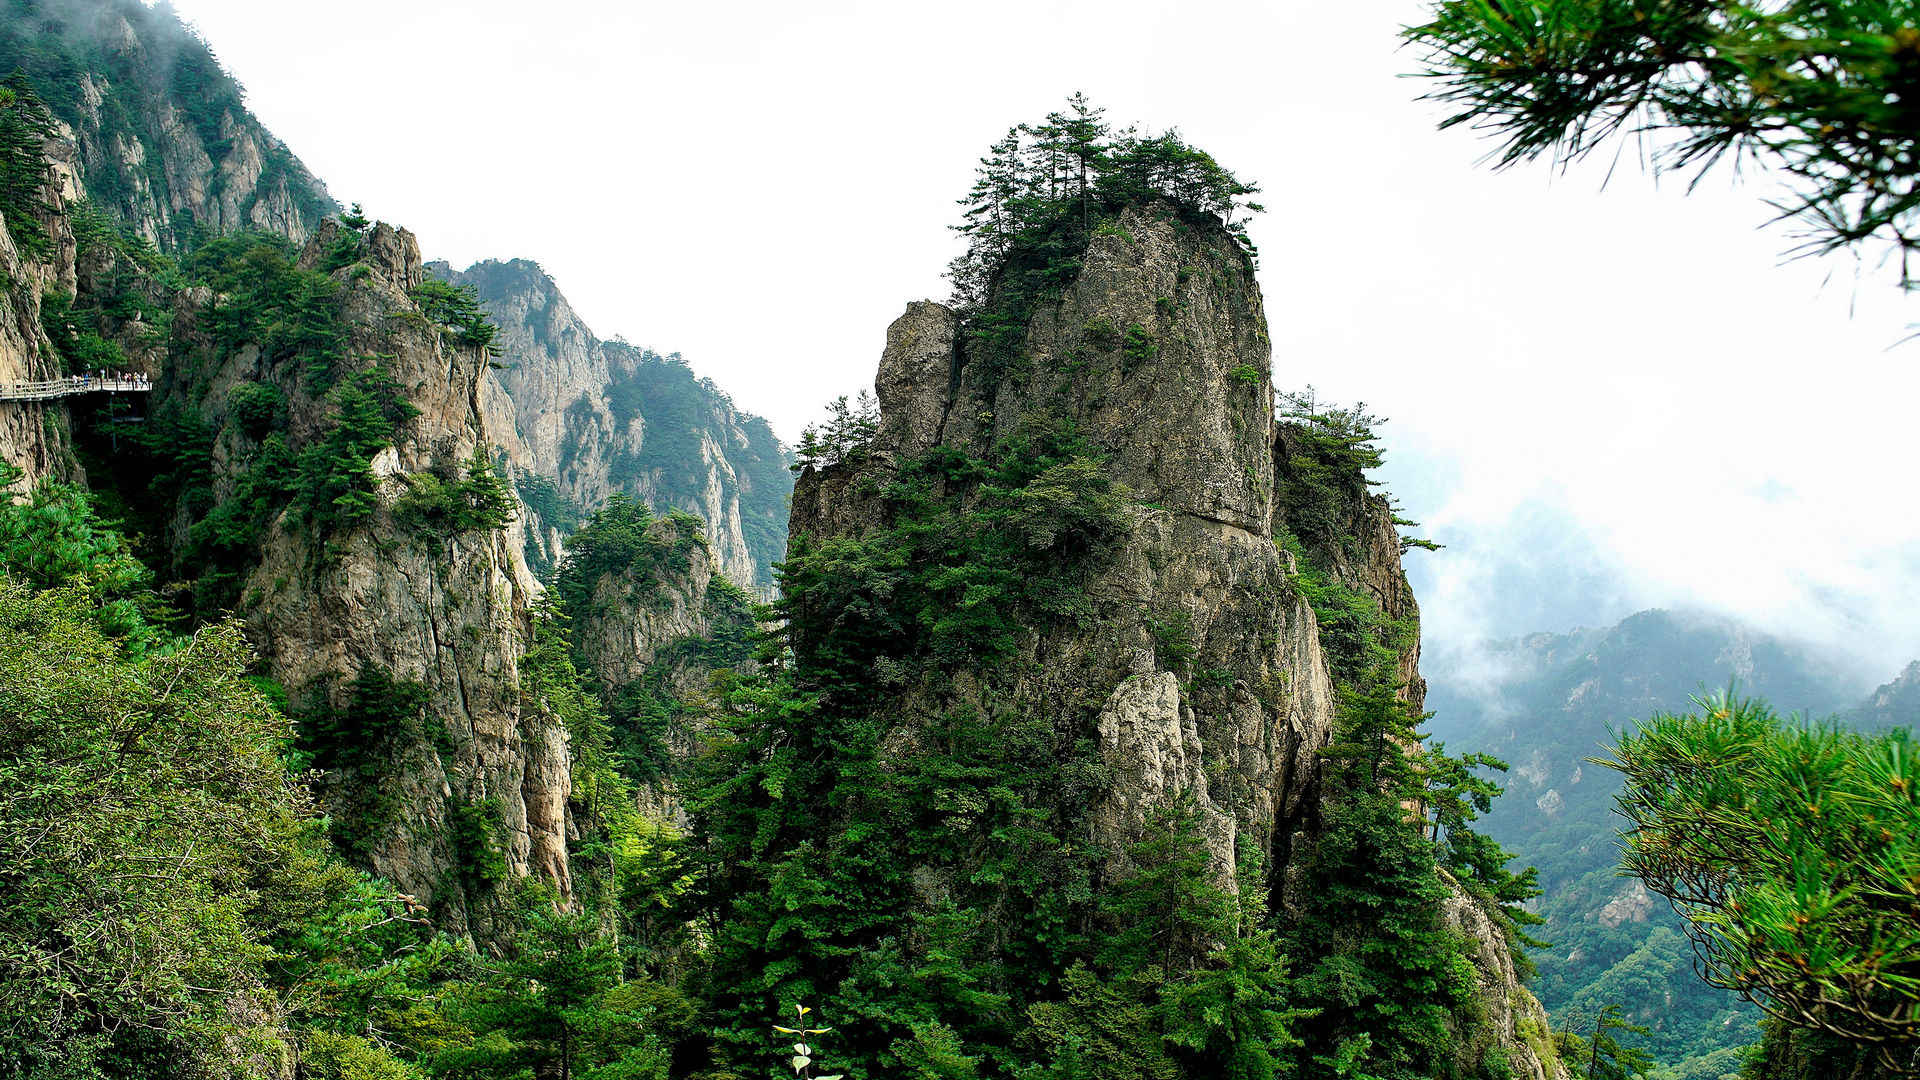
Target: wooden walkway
column 74, row 384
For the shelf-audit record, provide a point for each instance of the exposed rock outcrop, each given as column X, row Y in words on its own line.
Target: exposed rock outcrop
column 637, row 614
column 1158, row 355
column 1516, row 1021
column 596, row 417
column 1196, row 663
column 441, row 608
column 34, row 435
column 653, row 633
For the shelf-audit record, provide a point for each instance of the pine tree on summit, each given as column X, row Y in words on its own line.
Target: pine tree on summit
column 1049, row 184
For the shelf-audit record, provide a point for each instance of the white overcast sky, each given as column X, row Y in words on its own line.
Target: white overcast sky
column 1603, row 400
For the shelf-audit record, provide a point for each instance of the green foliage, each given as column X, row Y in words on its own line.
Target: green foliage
column 358, row 741
column 56, row 539
column 1789, row 1052
column 1395, row 987
column 97, row 232
column 550, row 508
column 556, row 1006
column 846, row 436
column 1173, row 646
column 257, row 408
column 1793, row 852
column 679, row 412
column 952, row 917
column 457, row 308
column 1604, row 1056
column 1139, row 346
column 336, row 488
column 222, row 545
column 979, row 549
column 327, row 1055
column 629, row 869
column 1817, row 90
column 80, row 347
column 1193, row 957
column 25, row 127
column 147, row 820
column 800, row 1053
column 1390, row 980
column 262, row 297
column 474, row 829
column 1558, row 696
column 1043, row 190
column 1322, row 478
column 623, row 541
column 1362, row 645
column 477, row 501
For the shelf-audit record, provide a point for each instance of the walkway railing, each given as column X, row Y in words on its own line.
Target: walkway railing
column 75, row 384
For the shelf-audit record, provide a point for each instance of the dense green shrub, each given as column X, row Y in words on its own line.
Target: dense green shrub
column 257, row 408
column 55, row 538
column 473, row 828
column 476, row 501
column 336, row 488
column 457, row 308
column 79, row 345
column 1322, row 481
column 1790, row 849
column 150, row 841
column 1396, row 990
column 624, row 540
column 358, row 741
column 262, row 297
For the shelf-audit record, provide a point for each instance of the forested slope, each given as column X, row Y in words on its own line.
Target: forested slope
column 1547, row 703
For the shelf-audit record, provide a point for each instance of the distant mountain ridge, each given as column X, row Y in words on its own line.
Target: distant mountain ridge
column 1546, row 703
column 582, row 419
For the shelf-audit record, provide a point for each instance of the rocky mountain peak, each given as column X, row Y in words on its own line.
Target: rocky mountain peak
column 1159, row 624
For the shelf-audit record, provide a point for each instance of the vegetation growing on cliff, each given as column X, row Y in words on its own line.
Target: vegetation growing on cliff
column 1043, row 189
column 938, row 885
column 170, row 904
column 68, row 49
column 24, row 129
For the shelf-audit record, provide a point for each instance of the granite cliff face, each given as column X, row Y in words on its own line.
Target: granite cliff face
column 651, row 633
column 435, row 612
column 582, row 419
column 161, row 135
column 1196, row 664
column 34, row 435
column 636, row 616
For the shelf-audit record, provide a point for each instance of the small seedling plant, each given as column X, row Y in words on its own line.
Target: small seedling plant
column 802, row 1060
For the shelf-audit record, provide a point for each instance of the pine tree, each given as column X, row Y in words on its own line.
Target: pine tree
column 1823, row 92
column 1046, row 186
column 25, row 127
